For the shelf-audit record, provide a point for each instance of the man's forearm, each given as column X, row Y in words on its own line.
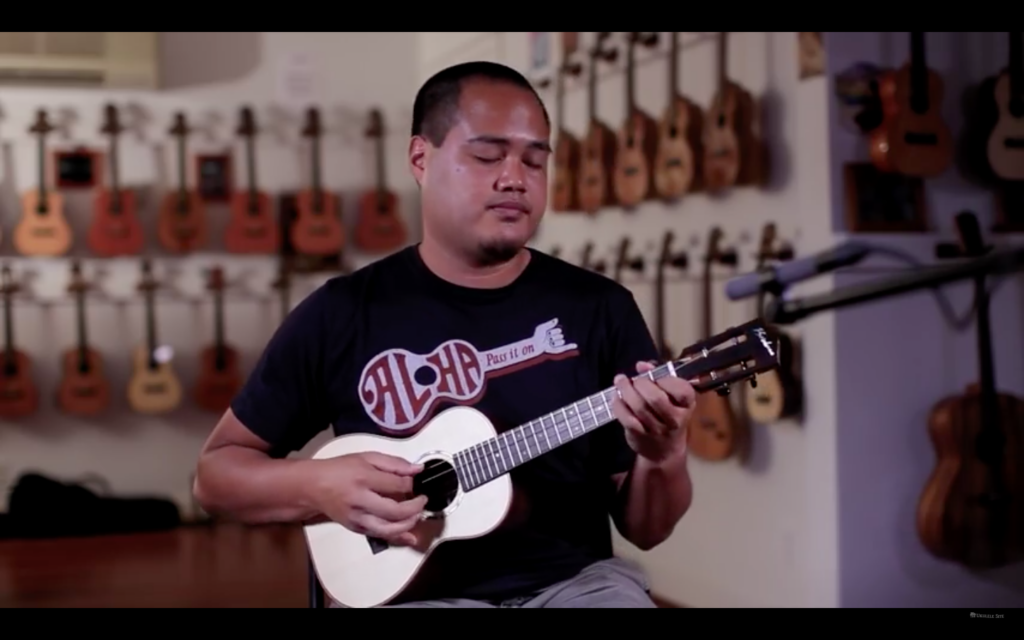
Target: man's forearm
column 654, row 498
column 246, row 485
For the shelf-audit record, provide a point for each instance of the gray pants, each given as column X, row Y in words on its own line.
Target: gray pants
column 609, row 584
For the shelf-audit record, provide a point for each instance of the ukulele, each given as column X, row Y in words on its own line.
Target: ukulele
column 598, row 160
column 637, row 140
column 467, row 466
column 666, row 259
column 623, row 261
column 778, row 393
column 1006, row 142
column 565, row 193
column 913, row 139
column 115, row 228
column 18, row 394
column 43, row 229
column 84, row 388
column 715, row 433
column 972, row 508
column 219, row 377
column 154, row 386
column 317, row 228
column 728, row 127
column 676, row 165
column 252, row 228
column 380, row 227
column 182, row 224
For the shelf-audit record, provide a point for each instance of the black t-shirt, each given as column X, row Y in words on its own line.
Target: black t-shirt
column 367, row 352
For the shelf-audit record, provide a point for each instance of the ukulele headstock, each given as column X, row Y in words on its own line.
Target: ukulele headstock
column 669, row 258
column 247, row 123
column 147, row 282
column 41, row 125
column 313, row 127
column 624, row 261
column 180, row 128
column 215, row 279
column 77, row 283
column 375, row 127
column 734, row 355
column 111, row 121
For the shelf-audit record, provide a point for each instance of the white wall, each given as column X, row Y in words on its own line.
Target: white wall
column 209, row 75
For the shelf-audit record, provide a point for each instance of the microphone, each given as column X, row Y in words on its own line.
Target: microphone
column 794, row 271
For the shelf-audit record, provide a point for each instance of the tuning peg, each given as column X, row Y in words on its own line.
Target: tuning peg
column 724, row 391
column 753, row 381
column 543, row 83
column 572, row 69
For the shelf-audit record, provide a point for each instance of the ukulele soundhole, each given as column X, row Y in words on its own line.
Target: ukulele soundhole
column 155, row 389
column 921, row 139
column 439, row 482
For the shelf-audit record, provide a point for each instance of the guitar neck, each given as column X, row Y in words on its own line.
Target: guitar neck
column 42, row 208
column 706, row 300
column 150, row 325
column 382, row 183
column 560, row 95
column 918, row 72
column 723, row 62
column 1016, row 67
column 630, row 78
column 250, row 166
column 497, row 456
column 218, row 325
column 673, row 68
column 314, row 148
column 83, row 338
column 115, row 179
column 592, row 89
column 182, row 171
column 8, row 330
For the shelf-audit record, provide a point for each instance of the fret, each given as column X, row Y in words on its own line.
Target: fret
column 520, row 451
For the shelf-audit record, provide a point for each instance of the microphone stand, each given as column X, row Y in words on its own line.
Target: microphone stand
column 784, row 312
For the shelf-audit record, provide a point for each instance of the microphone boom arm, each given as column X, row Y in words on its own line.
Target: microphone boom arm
column 784, row 312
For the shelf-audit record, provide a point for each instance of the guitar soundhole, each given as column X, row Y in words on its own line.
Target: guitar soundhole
column 377, row 545
column 1014, row 143
column 673, row 132
column 924, row 139
column 439, row 482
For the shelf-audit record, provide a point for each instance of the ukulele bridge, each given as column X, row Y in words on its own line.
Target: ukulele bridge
column 674, row 163
column 43, row 232
column 1014, row 144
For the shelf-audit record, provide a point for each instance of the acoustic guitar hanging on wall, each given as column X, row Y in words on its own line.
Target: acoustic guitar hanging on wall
column 252, row 228
column 115, row 228
column 380, row 227
column 43, row 229
column 182, row 224
column 84, row 388
column 19, row 396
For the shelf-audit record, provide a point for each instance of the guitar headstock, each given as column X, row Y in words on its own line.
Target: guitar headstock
column 215, row 279
column 8, row 286
column 111, row 121
column 736, row 354
column 147, row 282
column 312, row 128
column 375, row 127
column 247, row 123
column 77, row 283
column 180, row 128
column 41, row 125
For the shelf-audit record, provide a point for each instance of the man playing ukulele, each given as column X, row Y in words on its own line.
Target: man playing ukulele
column 468, row 316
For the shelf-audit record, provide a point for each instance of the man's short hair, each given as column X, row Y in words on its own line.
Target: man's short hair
column 436, row 108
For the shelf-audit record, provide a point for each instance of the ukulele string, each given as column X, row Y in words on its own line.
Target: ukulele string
column 479, row 456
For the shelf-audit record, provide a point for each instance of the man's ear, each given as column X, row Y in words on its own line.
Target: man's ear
column 418, row 149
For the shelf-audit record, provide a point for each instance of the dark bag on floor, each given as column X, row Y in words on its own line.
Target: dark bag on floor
column 41, row 507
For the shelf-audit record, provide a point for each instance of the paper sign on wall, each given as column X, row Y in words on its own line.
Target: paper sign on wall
column 296, row 81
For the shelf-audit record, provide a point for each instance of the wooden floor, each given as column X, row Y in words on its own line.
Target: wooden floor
column 222, row 566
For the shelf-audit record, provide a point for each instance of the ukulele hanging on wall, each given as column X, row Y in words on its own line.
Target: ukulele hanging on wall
column 115, row 228
column 43, row 229
column 317, row 229
column 182, row 225
column 252, row 228
column 219, row 377
column 18, row 394
column 154, row 386
column 380, row 227
column 84, row 388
